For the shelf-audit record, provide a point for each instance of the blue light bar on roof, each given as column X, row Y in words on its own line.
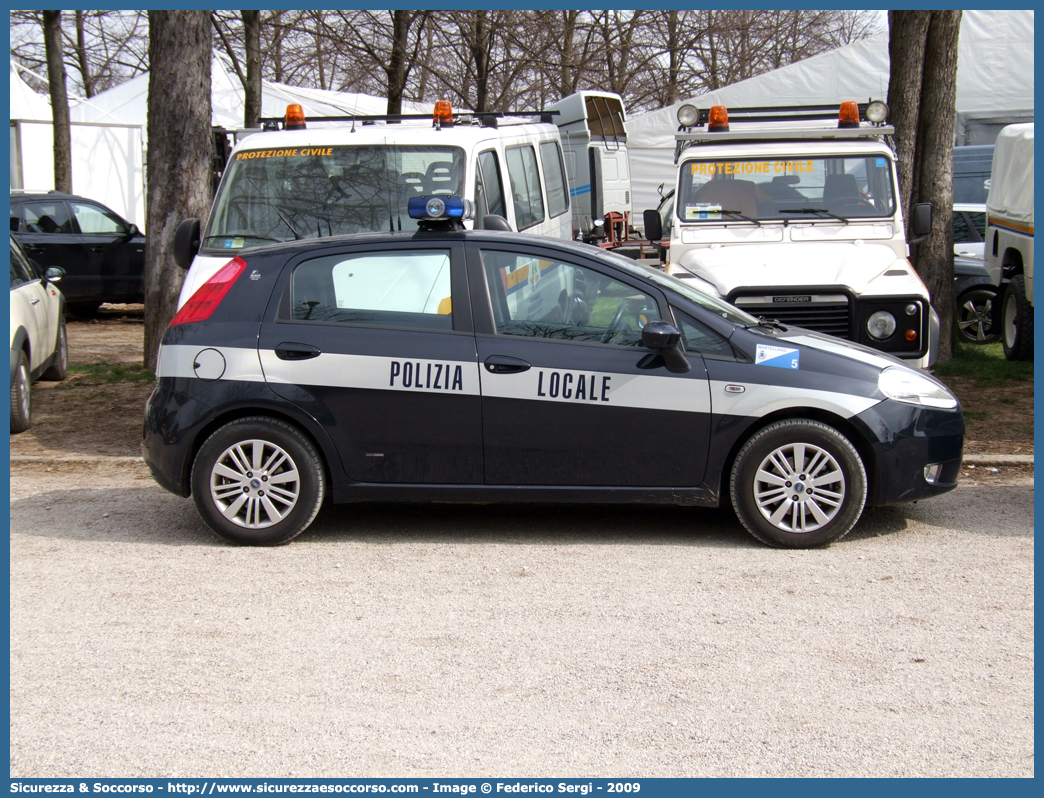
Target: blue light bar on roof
column 434, row 208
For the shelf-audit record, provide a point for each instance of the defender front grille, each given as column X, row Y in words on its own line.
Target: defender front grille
column 826, row 313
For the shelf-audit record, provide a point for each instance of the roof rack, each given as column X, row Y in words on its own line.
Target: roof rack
column 482, row 118
column 700, row 133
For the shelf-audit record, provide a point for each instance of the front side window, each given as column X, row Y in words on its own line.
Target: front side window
column 283, row 193
column 93, row 219
column 525, row 186
column 20, row 271
column 698, row 337
column 538, row 297
column 554, row 175
column 489, row 191
column 785, row 189
column 46, row 217
column 385, row 289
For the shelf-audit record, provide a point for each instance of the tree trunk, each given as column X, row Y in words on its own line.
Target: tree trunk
column 252, row 86
column 179, row 155
column 52, row 23
column 907, row 33
column 396, row 68
column 934, row 168
column 81, row 58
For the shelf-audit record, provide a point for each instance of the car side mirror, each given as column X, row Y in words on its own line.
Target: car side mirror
column 922, row 222
column 664, row 338
column 653, row 225
column 132, row 231
column 54, row 274
column 186, row 242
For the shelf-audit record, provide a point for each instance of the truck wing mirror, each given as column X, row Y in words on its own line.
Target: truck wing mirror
column 186, row 242
column 653, row 225
column 922, row 221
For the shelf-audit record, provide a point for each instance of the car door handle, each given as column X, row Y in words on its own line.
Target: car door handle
column 97, row 249
column 290, row 351
column 500, row 364
column 34, row 301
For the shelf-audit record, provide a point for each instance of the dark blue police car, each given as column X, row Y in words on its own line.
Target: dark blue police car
column 458, row 365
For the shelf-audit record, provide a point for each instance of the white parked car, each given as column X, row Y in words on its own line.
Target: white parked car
column 39, row 342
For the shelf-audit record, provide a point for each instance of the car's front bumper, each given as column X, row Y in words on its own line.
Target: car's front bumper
column 906, row 439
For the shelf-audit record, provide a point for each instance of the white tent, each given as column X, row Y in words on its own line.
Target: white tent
column 994, row 88
column 128, row 102
column 106, row 158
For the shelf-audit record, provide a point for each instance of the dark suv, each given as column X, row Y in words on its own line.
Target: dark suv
column 103, row 254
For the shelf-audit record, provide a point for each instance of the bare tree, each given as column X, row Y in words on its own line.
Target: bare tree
column 179, row 154
column 922, row 92
column 240, row 38
column 52, row 23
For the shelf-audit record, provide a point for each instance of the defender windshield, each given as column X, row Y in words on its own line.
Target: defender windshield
column 279, row 194
column 758, row 189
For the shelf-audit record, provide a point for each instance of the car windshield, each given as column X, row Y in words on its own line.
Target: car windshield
column 757, row 189
column 717, row 306
column 286, row 193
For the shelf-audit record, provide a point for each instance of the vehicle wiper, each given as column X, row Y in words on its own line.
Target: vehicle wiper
column 763, row 322
column 260, row 193
column 822, row 211
column 739, row 215
column 244, row 235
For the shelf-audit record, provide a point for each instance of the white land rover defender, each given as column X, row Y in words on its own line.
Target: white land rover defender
column 793, row 214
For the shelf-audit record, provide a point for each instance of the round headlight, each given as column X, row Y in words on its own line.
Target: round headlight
column 688, row 115
column 881, row 324
column 436, row 207
column 877, row 112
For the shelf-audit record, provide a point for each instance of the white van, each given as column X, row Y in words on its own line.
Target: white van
column 356, row 175
column 594, row 136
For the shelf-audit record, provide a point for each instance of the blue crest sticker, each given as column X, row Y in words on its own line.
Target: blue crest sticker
column 780, row 357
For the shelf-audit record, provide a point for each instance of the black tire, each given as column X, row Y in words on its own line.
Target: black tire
column 1017, row 321
column 977, row 316
column 21, row 395
column 217, row 475
column 836, row 504
column 59, row 370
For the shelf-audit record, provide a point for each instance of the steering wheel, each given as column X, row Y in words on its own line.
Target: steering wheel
column 616, row 323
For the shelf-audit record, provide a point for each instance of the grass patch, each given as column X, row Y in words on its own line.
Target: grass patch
column 96, row 373
column 976, row 415
column 985, row 364
column 1007, row 400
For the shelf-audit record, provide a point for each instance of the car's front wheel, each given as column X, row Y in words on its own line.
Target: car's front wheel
column 1018, row 321
column 258, row 481
column 797, row 484
column 21, row 395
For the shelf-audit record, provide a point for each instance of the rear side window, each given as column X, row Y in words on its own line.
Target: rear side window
column 525, row 186
column 554, row 178
column 46, row 217
column 391, row 288
column 489, row 191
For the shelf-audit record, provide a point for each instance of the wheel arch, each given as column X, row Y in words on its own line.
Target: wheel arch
column 254, row 411
column 19, row 343
column 843, row 425
column 1012, row 262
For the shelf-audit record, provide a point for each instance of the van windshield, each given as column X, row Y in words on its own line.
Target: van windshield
column 797, row 187
column 280, row 194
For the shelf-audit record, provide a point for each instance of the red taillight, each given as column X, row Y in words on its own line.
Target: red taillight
column 209, row 295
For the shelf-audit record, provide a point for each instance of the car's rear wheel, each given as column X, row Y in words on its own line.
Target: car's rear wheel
column 258, row 481
column 977, row 316
column 21, row 395
column 798, row 484
column 59, row 370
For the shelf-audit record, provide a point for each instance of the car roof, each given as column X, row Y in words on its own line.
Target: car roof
column 28, row 195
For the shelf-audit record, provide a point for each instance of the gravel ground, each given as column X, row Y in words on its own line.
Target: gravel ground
column 440, row 640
